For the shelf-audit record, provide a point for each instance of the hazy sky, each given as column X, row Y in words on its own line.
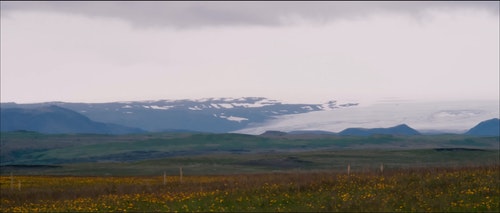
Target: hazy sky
column 291, row 51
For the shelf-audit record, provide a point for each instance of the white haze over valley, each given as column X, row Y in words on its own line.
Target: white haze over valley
column 426, row 117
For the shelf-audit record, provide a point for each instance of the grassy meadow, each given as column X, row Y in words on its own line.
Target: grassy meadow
column 466, row 189
column 197, row 172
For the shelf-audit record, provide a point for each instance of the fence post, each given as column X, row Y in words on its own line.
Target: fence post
column 348, row 169
column 164, row 178
column 298, row 179
column 180, row 174
column 11, row 181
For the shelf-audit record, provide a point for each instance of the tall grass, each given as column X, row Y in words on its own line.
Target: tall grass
column 417, row 189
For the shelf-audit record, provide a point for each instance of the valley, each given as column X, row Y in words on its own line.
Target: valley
column 249, row 154
column 204, row 153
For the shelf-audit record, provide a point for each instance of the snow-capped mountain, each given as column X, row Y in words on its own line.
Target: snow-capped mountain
column 206, row 115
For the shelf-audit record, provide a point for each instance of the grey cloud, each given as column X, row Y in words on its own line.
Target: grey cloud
column 196, row 14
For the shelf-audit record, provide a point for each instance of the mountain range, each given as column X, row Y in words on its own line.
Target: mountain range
column 204, row 115
column 217, row 115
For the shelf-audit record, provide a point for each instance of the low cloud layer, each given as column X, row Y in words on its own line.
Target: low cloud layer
column 290, row 51
column 202, row 14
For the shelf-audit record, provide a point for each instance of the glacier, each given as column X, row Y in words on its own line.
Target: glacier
column 426, row 117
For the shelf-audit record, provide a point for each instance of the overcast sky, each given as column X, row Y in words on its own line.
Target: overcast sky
column 290, row 51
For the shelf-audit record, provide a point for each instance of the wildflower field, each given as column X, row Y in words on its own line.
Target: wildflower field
column 439, row 189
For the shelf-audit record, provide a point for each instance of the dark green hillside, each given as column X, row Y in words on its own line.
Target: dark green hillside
column 486, row 128
column 402, row 129
column 360, row 160
column 56, row 120
column 30, row 148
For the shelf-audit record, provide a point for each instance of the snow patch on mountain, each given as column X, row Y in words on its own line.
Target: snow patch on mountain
column 196, row 108
column 161, row 107
column 307, row 108
column 226, row 105
column 254, row 104
column 234, row 118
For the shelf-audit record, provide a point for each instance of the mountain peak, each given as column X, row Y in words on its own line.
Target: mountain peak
column 401, row 129
column 489, row 127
